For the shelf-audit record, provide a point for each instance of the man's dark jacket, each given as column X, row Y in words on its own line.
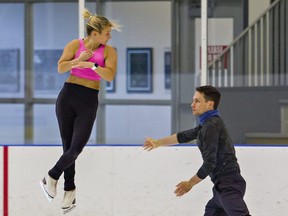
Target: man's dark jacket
column 216, row 147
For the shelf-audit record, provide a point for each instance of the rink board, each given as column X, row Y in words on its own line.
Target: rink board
column 128, row 181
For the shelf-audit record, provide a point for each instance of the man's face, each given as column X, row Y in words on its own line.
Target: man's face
column 200, row 105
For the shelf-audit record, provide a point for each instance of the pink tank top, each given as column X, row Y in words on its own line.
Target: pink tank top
column 98, row 57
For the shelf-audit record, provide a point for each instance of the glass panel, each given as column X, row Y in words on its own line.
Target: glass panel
column 12, row 124
column 135, row 123
column 46, row 127
column 224, row 23
column 52, row 31
column 12, row 50
column 142, row 27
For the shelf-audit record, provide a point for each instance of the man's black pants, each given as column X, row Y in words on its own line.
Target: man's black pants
column 228, row 193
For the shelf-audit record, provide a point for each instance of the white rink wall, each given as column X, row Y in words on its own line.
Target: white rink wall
column 128, row 181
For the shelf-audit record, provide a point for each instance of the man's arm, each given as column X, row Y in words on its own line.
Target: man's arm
column 181, row 137
column 151, row 143
column 185, row 186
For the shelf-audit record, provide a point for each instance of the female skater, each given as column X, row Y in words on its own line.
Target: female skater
column 88, row 59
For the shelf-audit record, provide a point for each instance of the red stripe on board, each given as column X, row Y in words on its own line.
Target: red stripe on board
column 5, row 181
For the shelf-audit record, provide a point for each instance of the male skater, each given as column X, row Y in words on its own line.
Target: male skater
column 218, row 153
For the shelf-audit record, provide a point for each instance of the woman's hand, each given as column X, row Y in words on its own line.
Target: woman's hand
column 85, row 55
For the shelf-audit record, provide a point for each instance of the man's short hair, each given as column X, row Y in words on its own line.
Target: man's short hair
column 210, row 94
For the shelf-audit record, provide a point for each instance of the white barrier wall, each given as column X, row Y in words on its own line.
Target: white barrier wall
column 128, row 181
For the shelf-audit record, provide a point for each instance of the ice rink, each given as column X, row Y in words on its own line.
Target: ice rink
column 128, row 181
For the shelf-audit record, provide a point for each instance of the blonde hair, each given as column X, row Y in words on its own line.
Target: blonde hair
column 98, row 23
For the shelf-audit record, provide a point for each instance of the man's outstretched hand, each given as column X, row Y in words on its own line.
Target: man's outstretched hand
column 150, row 144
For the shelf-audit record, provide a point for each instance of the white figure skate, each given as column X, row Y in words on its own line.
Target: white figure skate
column 49, row 187
column 69, row 201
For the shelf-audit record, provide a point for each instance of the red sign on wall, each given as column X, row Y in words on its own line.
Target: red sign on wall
column 213, row 52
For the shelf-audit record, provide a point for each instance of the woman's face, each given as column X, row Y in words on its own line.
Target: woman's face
column 104, row 37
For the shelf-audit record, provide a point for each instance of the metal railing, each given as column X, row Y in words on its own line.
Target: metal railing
column 258, row 56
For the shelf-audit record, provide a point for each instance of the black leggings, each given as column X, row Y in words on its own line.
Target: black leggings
column 76, row 109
